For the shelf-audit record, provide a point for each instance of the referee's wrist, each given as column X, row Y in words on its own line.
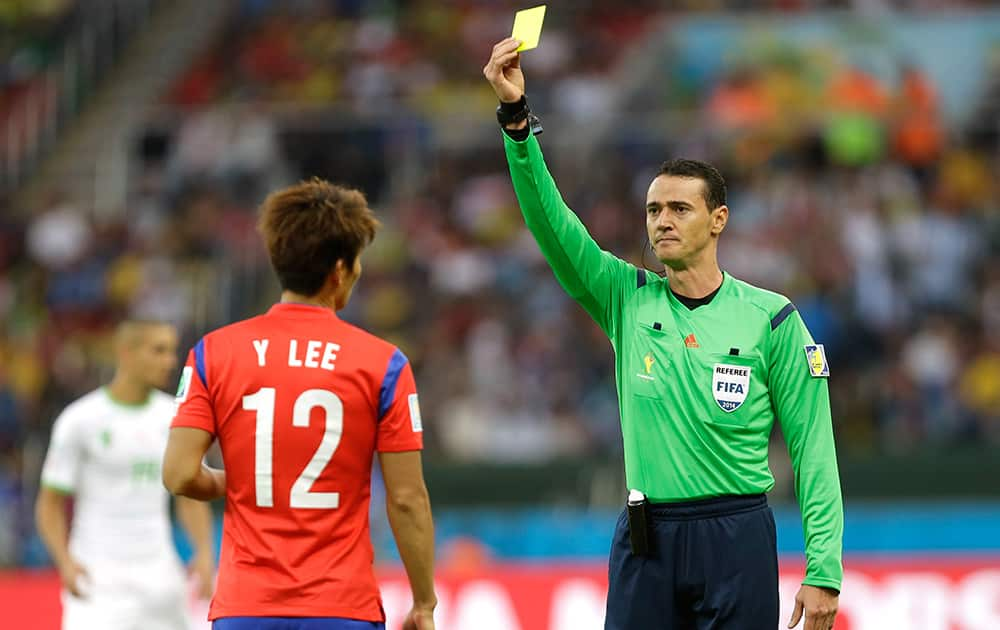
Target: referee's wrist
column 516, row 119
column 513, row 113
column 513, row 108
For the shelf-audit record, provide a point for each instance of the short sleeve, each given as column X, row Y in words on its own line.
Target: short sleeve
column 399, row 424
column 194, row 403
column 66, row 454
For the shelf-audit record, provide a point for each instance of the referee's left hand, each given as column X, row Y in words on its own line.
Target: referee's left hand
column 819, row 605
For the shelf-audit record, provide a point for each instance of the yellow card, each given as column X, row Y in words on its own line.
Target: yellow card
column 528, row 27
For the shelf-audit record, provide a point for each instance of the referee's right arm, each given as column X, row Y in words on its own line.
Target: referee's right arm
column 593, row 277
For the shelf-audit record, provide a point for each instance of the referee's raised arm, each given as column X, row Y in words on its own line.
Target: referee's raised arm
column 593, row 277
column 503, row 71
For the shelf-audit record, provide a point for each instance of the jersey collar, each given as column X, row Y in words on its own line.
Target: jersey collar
column 126, row 405
column 299, row 308
column 727, row 281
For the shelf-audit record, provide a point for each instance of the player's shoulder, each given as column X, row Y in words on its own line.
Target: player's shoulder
column 161, row 399
column 240, row 328
column 379, row 349
column 94, row 400
column 771, row 303
column 216, row 345
column 85, row 408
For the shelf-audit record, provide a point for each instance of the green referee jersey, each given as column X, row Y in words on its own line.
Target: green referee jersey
column 699, row 390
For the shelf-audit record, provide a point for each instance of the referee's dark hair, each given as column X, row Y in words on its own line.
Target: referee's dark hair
column 715, row 185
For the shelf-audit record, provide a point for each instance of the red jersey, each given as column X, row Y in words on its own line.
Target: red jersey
column 299, row 401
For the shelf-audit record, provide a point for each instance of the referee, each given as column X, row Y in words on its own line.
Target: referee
column 704, row 365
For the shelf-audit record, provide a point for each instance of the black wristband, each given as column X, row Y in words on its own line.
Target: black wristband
column 510, row 113
column 514, row 108
column 515, row 112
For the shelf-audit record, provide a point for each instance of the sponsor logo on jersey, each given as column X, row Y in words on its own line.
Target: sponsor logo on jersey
column 730, row 385
column 184, row 385
column 816, row 358
column 691, row 342
column 106, row 438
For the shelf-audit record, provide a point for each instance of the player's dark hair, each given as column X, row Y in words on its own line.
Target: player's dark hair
column 308, row 227
column 715, row 185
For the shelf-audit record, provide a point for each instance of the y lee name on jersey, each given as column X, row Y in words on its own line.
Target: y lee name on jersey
column 302, row 353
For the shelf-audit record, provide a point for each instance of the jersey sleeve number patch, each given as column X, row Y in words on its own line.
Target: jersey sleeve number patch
column 730, row 385
column 816, row 358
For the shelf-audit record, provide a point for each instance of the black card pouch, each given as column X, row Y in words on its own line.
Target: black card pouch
column 638, row 524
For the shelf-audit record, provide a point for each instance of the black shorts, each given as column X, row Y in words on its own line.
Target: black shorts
column 713, row 565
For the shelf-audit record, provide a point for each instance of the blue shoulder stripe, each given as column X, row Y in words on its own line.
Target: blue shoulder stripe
column 388, row 392
column 640, row 280
column 782, row 315
column 199, row 360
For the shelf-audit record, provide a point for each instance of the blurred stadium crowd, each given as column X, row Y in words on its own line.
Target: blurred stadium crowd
column 850, row 191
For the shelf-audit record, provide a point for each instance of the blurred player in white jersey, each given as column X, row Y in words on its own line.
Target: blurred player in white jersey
column 117, row 561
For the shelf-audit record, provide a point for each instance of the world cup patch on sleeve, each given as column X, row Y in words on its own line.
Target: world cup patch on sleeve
column 415, row 423
column 184, row 385
column 816, row 358
column 730, row 385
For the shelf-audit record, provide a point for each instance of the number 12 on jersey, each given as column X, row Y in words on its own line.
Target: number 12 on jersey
column 262, row 401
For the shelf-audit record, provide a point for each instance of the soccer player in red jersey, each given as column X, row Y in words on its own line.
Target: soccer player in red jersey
column 300, row 401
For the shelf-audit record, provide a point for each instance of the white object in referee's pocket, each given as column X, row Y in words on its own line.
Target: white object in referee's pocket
column 635, row 497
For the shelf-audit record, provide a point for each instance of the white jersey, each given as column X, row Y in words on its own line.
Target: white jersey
column 108, row 455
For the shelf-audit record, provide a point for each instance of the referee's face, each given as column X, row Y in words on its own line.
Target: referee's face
column 679, row 223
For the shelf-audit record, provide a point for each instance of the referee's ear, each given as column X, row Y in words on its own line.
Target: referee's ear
column 719, row 217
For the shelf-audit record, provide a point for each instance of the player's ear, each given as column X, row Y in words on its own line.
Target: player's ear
column 333, row 279
column 720, row 217
column 340, row 274
column 343, row 270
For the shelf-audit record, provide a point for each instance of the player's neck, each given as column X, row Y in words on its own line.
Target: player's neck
column 321, row 300
column 128, row 391
column 695, row 281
